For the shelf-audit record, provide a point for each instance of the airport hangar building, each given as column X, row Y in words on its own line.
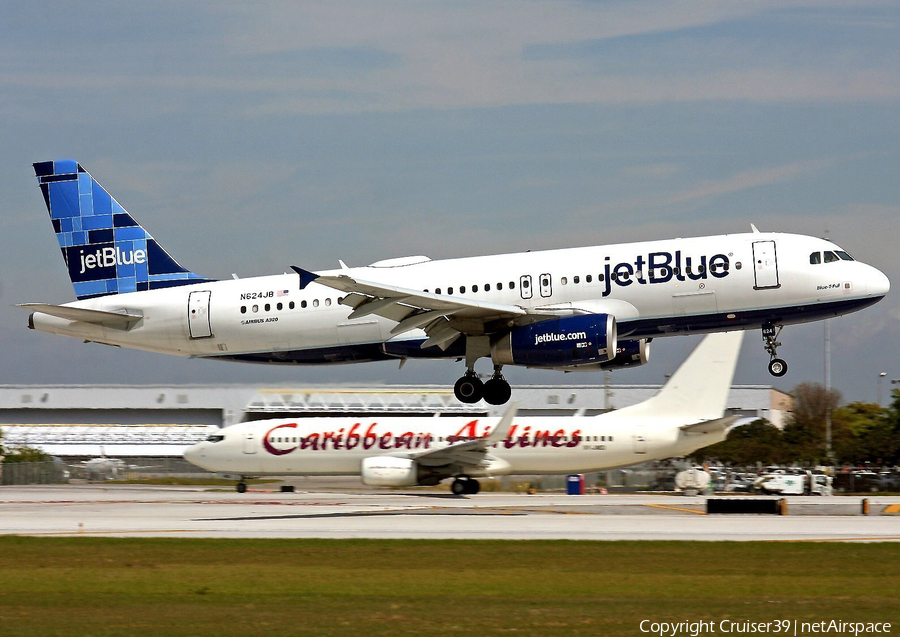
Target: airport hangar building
column 162, row 420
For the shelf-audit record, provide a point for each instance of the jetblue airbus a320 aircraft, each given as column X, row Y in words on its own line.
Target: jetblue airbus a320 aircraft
column 574, row 309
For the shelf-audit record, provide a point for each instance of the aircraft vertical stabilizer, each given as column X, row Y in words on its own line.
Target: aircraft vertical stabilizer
column 105, row 249
column 698, row 390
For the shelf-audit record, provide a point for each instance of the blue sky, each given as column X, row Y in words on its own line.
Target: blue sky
column 250, row 136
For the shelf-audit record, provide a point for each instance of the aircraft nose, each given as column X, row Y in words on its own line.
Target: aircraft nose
column 193, row 454
column 878, row 283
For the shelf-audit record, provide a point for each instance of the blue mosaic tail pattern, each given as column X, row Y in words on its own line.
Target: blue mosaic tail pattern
column 105, row 249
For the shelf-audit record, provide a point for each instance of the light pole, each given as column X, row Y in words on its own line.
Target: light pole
column 880, row 378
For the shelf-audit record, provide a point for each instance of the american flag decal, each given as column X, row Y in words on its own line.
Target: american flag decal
column 283, row 292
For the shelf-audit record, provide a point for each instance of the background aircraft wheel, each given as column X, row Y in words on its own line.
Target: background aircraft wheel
column 459, row 487
column 777, row 367
column 497, row 391
column 469, row 389
column 472, row 486
column 241, row 487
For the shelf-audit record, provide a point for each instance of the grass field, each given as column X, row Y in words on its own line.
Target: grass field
column 119, row 586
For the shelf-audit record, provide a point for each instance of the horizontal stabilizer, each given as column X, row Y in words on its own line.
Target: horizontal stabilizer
column 97, row 317
column 710, row 426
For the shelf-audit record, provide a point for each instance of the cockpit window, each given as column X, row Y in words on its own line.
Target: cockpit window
column 830, row 257
column 215, row 438
column 815, row 257
column 843, row 255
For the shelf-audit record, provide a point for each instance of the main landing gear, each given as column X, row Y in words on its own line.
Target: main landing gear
column 470, row 389
column 777, row 366
column 464, row 485
column 241, row 486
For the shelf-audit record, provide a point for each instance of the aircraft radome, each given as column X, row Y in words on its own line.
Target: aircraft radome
column 687, row 414
column 572, row 309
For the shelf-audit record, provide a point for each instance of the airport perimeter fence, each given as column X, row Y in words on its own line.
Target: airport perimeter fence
column 33, row 473
column 62, row 472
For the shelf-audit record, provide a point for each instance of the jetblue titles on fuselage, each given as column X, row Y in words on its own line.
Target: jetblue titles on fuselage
column 661, row 267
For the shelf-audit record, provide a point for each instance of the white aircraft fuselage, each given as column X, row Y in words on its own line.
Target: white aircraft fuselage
column 688, row 413
column 270, row 319
column 575, row 309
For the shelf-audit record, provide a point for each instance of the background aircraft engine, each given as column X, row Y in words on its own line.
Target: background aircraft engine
column 390, row 471
column 629, row 354
column 570, row 341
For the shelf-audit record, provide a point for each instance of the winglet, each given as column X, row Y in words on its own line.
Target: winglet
column 306, row 277
column 754, row 228
column 501, row 431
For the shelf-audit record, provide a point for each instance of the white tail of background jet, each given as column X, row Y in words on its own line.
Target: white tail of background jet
column 698, row 390
column 105, row 249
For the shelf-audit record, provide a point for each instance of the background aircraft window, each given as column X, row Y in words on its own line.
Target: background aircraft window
column 701, row 269
column 268, row 307
column 315, row 302
column 474, row 288
column 243, row 309
column 588, row 278
column 830, row 257
column 291, row 305
column 512, row 285
column 279, row 306
column 256, row 308
column 576, row 279
column 599, row 277
column 815, row 257
column 687, row 269
column 564, row 280
column 499, row 286
column 327, row 301
column 487, row 287
column 843, row 255
column 462, row 289
column 303, row 304
column 737, row 266
column 676, row 271
column 449, row 290
column 437, row 290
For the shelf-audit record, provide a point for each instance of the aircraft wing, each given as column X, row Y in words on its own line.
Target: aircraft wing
column 472, row 453
column 444, row 318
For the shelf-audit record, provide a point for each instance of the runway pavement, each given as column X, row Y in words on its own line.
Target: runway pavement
column 121, row 510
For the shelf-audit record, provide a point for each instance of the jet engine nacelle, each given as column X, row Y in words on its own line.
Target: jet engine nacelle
column 629, row 354
column 389, row 471
column 586, row 339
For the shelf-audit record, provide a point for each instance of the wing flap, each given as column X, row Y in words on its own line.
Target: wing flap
column 471, row 453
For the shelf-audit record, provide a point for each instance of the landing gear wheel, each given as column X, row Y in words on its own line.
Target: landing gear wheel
column 459, row 486
column 777, row 367
column 472, row 486
column 469, row 388
column 241, row 487
column 497, row 391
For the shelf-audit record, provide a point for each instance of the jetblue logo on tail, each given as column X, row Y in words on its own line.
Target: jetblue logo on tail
column 106, row 250
column 109, row 257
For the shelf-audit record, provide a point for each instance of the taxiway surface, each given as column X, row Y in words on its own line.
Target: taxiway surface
column 195, row 512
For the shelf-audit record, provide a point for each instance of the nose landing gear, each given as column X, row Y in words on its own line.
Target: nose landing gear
column 777, row 366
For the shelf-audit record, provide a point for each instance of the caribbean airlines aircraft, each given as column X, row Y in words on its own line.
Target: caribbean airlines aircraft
column 574, row 309
column 687, row 414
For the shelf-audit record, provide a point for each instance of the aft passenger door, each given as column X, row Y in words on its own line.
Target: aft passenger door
column 198, row 314
column 765, row 265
